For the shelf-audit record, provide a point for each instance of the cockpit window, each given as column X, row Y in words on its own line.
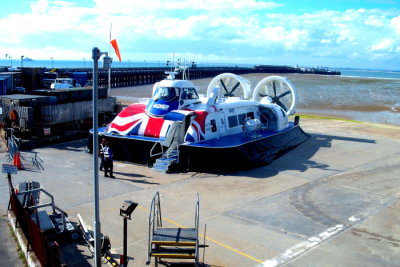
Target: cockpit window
column 166, row 93
column 189, row 93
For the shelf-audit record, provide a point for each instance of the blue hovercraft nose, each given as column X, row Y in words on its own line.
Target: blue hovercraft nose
column 164, row 100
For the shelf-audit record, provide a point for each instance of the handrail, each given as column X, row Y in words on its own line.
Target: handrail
column 155, row 220
column 42, row 205
column 160, row 153
column 171, row 148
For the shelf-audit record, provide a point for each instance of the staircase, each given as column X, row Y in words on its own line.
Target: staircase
column 171, row 243
column 167, row 159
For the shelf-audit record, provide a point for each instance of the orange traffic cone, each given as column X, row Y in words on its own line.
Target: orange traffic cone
column 17, row 161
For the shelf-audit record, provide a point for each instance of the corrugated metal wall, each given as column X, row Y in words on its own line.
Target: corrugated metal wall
column 62, row 113
column 25, row 114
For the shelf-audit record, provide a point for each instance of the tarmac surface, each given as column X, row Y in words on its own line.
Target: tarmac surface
column 332, row 201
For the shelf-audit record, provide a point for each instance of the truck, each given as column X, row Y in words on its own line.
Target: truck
column 49, row 78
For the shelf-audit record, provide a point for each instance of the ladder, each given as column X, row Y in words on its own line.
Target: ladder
column 172, row 243
column 168, row 158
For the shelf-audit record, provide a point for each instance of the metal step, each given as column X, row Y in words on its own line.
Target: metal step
column 165, row 160
column 174, row 237
column 172, row 256
column 174, row 252
column 162, row 164
column 173, row 153
column 160, row 168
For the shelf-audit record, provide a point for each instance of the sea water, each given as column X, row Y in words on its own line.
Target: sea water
column 364, row 95
column 361, row 98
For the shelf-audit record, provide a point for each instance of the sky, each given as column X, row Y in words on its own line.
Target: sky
column 336, row 33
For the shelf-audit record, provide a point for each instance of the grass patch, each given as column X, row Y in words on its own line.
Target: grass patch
column 327, row 118
column 21, row 254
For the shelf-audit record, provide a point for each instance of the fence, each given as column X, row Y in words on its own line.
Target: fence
column 47, row 252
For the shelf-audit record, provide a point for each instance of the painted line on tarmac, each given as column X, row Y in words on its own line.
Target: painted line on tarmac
column 211, row 239
column 302, row 247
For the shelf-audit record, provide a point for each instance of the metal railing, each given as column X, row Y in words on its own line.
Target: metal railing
column 155, row 220
column 152, row 154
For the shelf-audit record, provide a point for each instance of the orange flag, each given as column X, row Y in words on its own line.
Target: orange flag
column 116, row 49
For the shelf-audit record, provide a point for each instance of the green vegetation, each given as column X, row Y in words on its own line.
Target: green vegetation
column 328, row 118
column 21, row 254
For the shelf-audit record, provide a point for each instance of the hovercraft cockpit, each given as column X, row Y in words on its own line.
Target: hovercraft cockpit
column 171, row 95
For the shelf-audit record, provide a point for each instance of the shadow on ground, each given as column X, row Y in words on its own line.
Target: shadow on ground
column 296, row 159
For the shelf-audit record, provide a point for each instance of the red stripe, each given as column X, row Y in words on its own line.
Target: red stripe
column 123, row 128
column 201, row 119
column 154, row 126
column 132, row 110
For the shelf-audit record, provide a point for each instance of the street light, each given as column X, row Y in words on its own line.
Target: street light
column 10, row 57
column 96, row 54
column 22, row 62
column 52, row 62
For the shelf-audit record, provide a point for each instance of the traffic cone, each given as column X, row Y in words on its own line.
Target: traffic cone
column 17, row 161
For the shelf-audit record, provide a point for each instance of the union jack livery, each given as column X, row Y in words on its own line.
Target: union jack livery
column 231, row 127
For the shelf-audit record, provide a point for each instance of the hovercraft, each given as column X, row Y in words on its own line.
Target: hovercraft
column 232, row 127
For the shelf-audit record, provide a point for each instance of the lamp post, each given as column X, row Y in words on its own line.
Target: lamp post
column 96, row 54
column 22, row 62
column 52, row 62
column 10, row 57
column 125, row 211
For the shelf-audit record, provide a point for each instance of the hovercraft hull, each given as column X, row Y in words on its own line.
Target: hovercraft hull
column 227, row 153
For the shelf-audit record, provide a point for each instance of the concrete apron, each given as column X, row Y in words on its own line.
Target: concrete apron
column 332, row 200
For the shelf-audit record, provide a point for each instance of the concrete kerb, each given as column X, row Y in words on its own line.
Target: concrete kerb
column 30, row 256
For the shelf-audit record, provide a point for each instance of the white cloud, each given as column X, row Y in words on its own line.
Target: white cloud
column 384, row 45
column 395, row 23
column 235, row 28
column 160, row 6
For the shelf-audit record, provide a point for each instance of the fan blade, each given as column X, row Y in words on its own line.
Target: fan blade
column 223, row 85
column 235, row 87
column 274, row 87
column 263, row 95
column 284, row 94
column 281, row 105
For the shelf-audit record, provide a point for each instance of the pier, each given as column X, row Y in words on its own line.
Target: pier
column 32, row 78
column 123, row 77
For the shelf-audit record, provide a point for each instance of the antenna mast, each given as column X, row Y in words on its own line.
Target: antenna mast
column 109, row 69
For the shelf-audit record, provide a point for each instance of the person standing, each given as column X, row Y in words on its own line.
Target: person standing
column 103, row 142
column 108, row 161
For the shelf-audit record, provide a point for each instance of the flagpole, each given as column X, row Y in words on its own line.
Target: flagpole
column 109, row 70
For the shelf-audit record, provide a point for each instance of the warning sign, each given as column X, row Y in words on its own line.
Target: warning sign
column 8, row 168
